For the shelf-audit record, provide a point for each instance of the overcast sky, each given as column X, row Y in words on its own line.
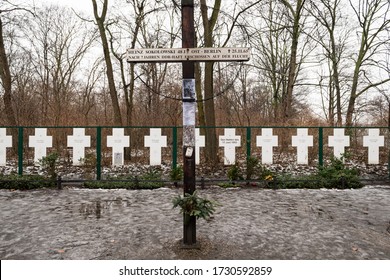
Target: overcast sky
column 78, row 5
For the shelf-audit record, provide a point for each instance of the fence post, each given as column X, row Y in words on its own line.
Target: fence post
column 174, row 148
column 321, row 146
column 59, row 182
column 388, row 164
column 248, row 142
column 98, row 153
column 20, row 151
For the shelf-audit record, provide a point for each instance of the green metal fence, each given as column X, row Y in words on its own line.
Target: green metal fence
column 319, row 153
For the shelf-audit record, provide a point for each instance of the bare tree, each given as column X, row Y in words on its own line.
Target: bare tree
column 272, row 58
column 59, row 42
column 101, row 23
column 295, row 13
column 374, row 23
column 209, row 24
column 333, row 41
column 6, row 9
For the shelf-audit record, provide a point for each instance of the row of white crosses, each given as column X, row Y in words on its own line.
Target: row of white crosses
column 79, row 141
column 229, row 141
column 302, row 141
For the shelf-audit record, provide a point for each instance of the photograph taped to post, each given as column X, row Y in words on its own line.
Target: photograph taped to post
column 188, row 88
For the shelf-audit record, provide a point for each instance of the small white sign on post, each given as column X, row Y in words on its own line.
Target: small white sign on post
column 373, row 141
column 155, row 141
column 79, row 141
column 40, row 142
column 5, row 142
column 200, row 142
column 118, row 141
column 338, row 141
column 229, row 142
column 302, row 141
column 267, row 141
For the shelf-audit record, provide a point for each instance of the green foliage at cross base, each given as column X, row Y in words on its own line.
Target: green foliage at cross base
column 25, row 182
column 49, row 164
column 234, row 173
column 336, row 175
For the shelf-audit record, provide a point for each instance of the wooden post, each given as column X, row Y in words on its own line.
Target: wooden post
column 189, row 105
column 188, row 55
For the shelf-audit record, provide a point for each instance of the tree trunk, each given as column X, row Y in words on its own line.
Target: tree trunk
column 109, row 70
column 5, row 74
column 211, row 134
column 288, row 99
column 211, row 148
column 198, row 89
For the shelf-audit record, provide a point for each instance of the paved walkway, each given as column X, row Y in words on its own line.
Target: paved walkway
column 250, row 224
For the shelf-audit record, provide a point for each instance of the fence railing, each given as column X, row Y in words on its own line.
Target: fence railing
column 94, row 148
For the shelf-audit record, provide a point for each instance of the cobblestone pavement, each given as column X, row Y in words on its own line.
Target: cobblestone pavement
column 249, row 224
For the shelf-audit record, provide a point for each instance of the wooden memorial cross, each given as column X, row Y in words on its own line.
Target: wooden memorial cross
column 79, row 141
column 40, row 142
column 302, row 141
column 118, row 141
column 338, row 141
column 155, row 141
column 267, row 141
column 373, row 141
column 200, row 142
column 229, row 142
column 5, row 142
column 187, row 55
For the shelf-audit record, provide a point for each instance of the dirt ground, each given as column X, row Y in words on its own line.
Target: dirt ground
column 249, row 224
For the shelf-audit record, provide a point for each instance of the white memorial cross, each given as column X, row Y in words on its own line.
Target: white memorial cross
column 118, row 141
column 229, row 142
column 338, row 141
column 373, row 141
column 5, row 142
column 199, row 142
column 40, row 142
column 302, row 141
column 267, row 141
column 79, row 141
column 155, row 141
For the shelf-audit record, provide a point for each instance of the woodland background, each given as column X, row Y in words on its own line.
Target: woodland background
column 314, row 62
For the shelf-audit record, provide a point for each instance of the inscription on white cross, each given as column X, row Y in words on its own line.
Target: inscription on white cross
column 118, row 141
column 229, row 142
column 338, row 141
column 155, row 141
column 302, row 141
column 40, row 142
column 267, row 141
column 79, row 141
column 199, row 142
column 5, row 142
column 373, row 141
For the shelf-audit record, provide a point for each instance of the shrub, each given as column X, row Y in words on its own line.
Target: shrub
column 176, row 174
column 335, row 175
column 89, row 161
column 49, row 163
column 193, row 205
column 234, row 172
column 264, row 173
column 252, row 164
column 25, row 182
